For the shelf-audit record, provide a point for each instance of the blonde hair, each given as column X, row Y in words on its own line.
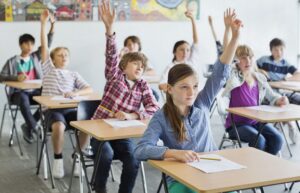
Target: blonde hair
column 244, row 50
column 131, row 57
column 55, row 50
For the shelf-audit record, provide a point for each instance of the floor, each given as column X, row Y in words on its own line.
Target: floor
column 18, row 172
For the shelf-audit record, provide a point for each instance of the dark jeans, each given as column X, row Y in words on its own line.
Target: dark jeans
column 270, row 140
column 117, row 149
column 24, row 99
column 294, row 98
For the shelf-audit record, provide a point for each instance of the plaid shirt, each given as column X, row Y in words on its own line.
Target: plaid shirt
column 118, row 96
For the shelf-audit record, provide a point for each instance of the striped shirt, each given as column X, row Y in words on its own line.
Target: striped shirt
column 118, row 95
column 58, row 81
column 276, row 71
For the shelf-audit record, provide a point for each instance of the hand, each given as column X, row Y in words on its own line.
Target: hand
column 107, row 16
column 235, row 28
column 189, row 15
column 70, row 94
column 44, row 16
column 184, row 155
column 210, row 21
column 163, row 87
column 122, row 115
column 22, row 77
column 229, row 17
column 51, row 18
column 282, row 101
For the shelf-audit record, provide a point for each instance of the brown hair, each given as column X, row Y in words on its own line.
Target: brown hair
column 55, row 50
column 176, row 73
column 134, row 39
column 276, row 42
column 176, row 45
column 131, row 57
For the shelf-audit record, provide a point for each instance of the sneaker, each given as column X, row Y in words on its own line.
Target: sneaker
column 58, row 168
column 77, row 166
column 293, row 135
column 27, row 134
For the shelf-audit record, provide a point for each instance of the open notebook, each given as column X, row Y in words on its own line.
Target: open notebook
column 127, row 123
column 212, row 166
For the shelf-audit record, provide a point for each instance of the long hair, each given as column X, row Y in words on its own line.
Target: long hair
column 176, row 73
column 176, row 45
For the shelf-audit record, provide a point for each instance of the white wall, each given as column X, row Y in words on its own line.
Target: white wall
column 263, row 20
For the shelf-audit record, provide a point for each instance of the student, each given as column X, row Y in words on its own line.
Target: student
column 58, row 80
column 246, row 87
column 26, row 66
column 124, row 93
column 133, row 44
column 183, row 124
column 276, row 68
column 183, row 53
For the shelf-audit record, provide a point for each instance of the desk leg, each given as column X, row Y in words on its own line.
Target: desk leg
column 97, row 162
column 259, row 132
column 297, row 125
column 286, row 141
column 13, row 113
column 143, row 177
column 235, row 129
column 82, row 161
column 164, row 178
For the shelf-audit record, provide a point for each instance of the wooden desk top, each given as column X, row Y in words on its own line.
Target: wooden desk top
column 286, row 85
column 268, row 117
column 60, row 104
column 104, row 132
column 23, row 85
column 262, row 169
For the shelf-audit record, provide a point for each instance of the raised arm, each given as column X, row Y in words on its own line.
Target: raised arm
column 44, row 41
column 229, row 16
column 194, row 27
column 210, row 21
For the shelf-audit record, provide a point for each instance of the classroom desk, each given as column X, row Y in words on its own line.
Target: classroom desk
column 25, row 85
column 46, row 101
column 257, row 174
column 293, row 114
column 103, row 132
column 286, row 85
column 61, row 104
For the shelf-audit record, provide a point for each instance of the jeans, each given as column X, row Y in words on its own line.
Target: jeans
column 116, row 149
column 24, row 99
column 270, row 139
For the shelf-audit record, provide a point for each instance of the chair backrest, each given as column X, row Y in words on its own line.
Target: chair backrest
column 221, row 107
column 86, row 109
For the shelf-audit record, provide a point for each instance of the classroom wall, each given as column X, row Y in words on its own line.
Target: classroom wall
column 263, row 20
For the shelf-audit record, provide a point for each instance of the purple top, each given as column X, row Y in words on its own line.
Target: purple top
column 243, row 96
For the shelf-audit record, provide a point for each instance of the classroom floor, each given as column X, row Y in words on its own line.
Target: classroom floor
column 18, row 173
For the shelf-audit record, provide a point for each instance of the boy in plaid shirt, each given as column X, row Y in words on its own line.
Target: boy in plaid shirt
column 124, row 93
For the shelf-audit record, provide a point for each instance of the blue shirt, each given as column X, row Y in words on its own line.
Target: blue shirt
column 276, row 71
column 197, row 123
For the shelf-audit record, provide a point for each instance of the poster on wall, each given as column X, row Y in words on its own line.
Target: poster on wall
column 87, row 10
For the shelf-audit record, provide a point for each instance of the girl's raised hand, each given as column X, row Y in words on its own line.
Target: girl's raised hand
column 229, row 17
column 189, row 15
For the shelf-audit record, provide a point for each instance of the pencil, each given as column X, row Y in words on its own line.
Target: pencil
column 106, row 109
column 210, row 158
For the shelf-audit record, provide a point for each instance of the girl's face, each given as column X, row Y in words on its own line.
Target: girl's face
column 61, row 58
column 132, row 46
column 245, row 63
column 134, row 70
column 183, row 52
column 184, row 92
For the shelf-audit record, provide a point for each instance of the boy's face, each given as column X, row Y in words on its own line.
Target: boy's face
column 277, row 52
column 134, row 70
column 27, row 47
column 245, row 63
column 184, row 92
column 61, row 58
column 182, row 52
column 132, row 47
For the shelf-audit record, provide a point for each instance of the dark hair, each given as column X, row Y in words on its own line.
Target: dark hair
column 134, row 39
column 276, row 42
column 133, row 56
column 176, row 45
column 26, row 38
column 176, row 73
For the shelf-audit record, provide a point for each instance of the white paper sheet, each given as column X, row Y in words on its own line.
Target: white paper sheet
column 36, row 81
column 119, row 124
column 268, row 108
column 62, row 98
column 212, row 166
